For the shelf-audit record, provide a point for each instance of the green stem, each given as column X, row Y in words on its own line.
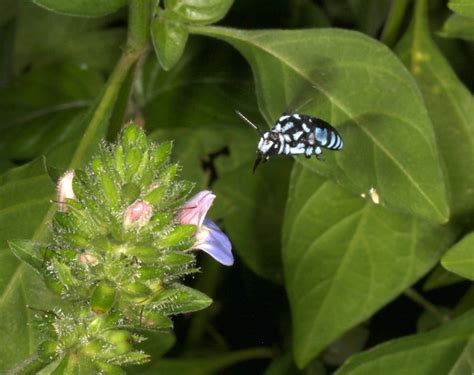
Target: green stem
column 138, row 25
column 137, row 43
column 427, row 305
column 394, row 21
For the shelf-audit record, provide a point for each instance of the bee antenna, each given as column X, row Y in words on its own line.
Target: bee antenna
column 249, row 122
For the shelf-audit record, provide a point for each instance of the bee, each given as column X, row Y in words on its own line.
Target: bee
column 295, row 134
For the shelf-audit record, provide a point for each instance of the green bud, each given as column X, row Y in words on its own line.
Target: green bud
column 131, row 192
column 161, row 154
column 141, row 176
column 77, row 240
column 159, row 220
column 177, row 259
column 154, row 196
column 108, row 369
column 130, row 135
column 136, row 289
column 121, row 340
column 119, row 161
column 103, row 297
column 53, row 283
column 92, row 348
column 169, row 174
column 97, row 166
column 179, row 234
column 102, row 322
column 133, row 159
column 141, row 252
column 146, row 273
column 64, row 274
column 110, row 189
column 48, row 349
column 155, row 320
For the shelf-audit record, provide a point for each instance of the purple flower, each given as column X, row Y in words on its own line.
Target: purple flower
column 209, row 238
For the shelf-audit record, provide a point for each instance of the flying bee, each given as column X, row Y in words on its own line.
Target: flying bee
column 295, row 134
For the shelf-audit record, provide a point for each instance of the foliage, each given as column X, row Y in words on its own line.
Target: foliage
column 358, row 264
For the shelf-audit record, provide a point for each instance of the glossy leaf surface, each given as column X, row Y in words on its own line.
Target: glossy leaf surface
column 347, row 257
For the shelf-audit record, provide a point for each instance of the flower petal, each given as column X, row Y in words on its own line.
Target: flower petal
column 210, row 239
column 64, row 189
column 195, row 209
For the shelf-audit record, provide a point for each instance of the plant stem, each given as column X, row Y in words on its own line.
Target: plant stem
column 138, row 25
column 394, row 21
column 137, row 43
column 427, row 305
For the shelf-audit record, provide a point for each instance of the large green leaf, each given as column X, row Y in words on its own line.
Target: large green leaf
column 460, row 258
column 458, row 26
column 38, row 109
column 360, row 87
column 344, row 258
column 446, row 350
column 450, row 106
column 44, row 37
column 463, row 7
column 85, row 8
column 25, row 195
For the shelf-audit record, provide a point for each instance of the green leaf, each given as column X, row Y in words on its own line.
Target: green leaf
column 169, row 39
column 342, row 76
column 43, row 37
column 457, row 26
column 253, row 206
column 39, row 110
column 205, row 366
column 345, row 257
column 450, row 107
column 440, row 278
column 462, row 7
column 460, row 258
column 446, row 350
column 25, row 195
column 83, row 8
column 181, row 299
column 27, row 251
column 199, row 12
column 369, row 14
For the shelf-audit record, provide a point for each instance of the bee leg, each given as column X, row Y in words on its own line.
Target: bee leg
column 307, row 156
column 320, row 157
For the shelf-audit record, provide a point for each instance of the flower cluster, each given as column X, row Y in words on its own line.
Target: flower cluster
column 124, row 236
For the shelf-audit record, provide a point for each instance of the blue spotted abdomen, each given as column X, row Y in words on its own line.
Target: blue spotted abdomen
column 328, row 137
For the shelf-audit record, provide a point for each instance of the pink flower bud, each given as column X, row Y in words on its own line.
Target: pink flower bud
column 137, row 214
column 64, row 190
column 195, row 209
column 88, row 259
